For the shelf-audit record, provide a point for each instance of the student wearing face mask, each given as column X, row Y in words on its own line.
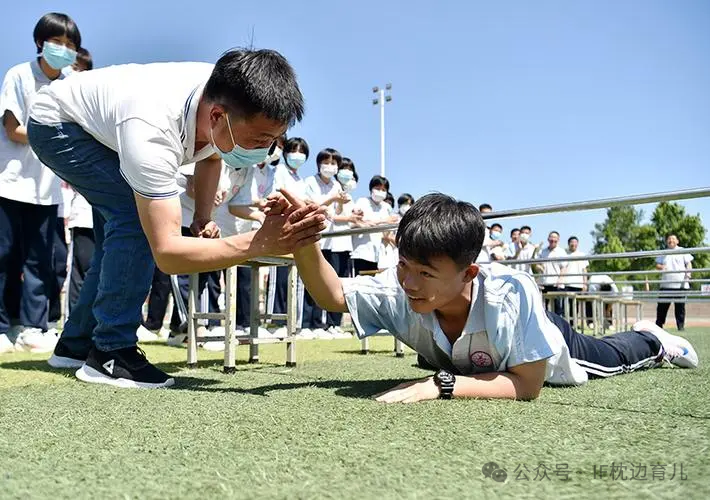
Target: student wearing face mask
column 325, row 190
column 29, row 191
column 497, row 252
column 525, row 250
column 375, row 212
column 345, row 216
column 389, row 256
column 489, row 244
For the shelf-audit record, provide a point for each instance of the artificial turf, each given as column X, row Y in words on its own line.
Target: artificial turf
column 314, row 432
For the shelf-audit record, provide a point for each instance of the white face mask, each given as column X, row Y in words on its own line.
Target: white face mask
column 378, row 196
column 328, row 170
column 403, row 209
column 524, row 237
column 295, row 160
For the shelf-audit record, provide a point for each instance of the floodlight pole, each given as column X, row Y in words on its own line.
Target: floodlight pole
column 381, row 99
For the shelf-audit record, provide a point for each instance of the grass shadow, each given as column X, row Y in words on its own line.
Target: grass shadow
column 360, row 389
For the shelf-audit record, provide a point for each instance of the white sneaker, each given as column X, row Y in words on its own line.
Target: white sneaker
column 338, row 333
column 33, row 340
column 264, row 333
column 214, row 346
column 216, row 331
column 321, row 334
column 676, row 350
column 163, row 334
column 5, row 344
column 280, row 333
column 145, row 335
column 305, row 333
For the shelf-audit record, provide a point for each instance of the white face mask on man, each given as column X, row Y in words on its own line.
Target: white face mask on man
column 328, row 170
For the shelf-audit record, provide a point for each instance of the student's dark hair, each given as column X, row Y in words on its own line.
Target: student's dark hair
column 572, row 238
column 672, row 234
column 329, row 154
column 248, row 82
column 497, row 225
column 348, row 164
column 439, row 225
column 296, row 145
column 55, row 24
column 84, row 58
column 522, row 228
column 483, row 206
column 513, row 230
column 553, row 232
column 280, row 142
column 404, row 199
column 390, row 199
column 378, row 180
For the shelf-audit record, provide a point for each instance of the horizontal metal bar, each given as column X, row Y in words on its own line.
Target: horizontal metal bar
column 578, row 206
column 605, row 256
column 619, row 273
column 201, row 315
column 643, row 282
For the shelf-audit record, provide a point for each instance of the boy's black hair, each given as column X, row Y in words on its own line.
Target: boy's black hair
column 404, row 199
column 389, row 199
column 347, row 163
column 497, row 225
column 572, row 238
column 513, row 230
column 483, row 206
column 522, row 228
column 439, row 225
column 329, row 154
column 296, row 145
column 55, row 24
column 553, row 232
column 672, row 234
column 84, row 58
column 248, row 82
column 378, row 180
column 280, row 142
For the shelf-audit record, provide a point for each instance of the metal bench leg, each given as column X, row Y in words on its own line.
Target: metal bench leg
column 230, row 305
column 192, row 322
column 291, row 316
column 255, row 316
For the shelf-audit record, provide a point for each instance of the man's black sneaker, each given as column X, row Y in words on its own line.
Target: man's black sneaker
column 63, row 357
column 126, row 368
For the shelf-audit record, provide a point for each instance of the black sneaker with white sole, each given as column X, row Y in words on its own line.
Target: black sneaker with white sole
column 126, row 368
column 63, row 357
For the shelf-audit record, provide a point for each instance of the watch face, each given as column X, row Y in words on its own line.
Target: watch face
column 445, row 377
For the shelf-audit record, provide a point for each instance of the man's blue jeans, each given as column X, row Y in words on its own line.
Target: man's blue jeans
column 110, row 302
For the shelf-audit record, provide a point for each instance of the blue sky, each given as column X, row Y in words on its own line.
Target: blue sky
column 514, row 103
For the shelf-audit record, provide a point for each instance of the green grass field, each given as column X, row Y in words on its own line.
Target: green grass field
column 314, row 432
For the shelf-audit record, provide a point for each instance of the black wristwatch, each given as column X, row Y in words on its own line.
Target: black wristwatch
column 445, row 381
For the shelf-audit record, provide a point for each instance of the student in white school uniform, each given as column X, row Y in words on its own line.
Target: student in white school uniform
column 483, row 328
column 29, row 191
column 375, row 212
column 323, row 189
column 344, row 217
column 118, row 135
column 286, row 176
column 390, row 255
column 552, row 281
column 674, row 282
column 524, row 250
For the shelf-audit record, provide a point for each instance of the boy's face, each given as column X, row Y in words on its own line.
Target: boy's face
column 573, row 245
column 672, row 241
column 433, row 286
column 552, row 240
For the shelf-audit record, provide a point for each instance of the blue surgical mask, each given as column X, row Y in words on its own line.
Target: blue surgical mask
column 496, row 235
column 58, row 56
column 345, row 175
column 295, row 160
column 239, row 157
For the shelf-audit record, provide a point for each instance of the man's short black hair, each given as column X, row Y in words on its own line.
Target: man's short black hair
column 523, row 228
column 484, row 206
column 439, row 225
column 497, row 225
column 249, row 82
column 513, row 230
column 553, row 232
column 569, row 240
column 329, row 154
column 84, row 58
column 348, row 164
column 296, row 145
column 55, row 24
column 378, row 180
column 405, row 199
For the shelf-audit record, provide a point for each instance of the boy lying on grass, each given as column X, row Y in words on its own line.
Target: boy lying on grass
column 482, row 327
